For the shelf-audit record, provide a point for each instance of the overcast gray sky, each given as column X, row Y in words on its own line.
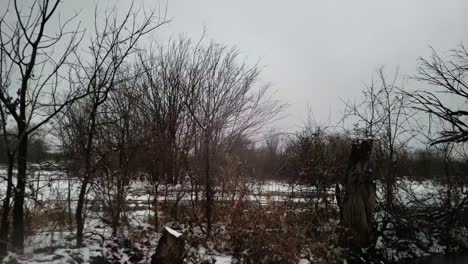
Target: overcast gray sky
column 314, row 52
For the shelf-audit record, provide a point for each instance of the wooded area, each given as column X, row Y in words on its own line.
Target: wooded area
column 109, row 144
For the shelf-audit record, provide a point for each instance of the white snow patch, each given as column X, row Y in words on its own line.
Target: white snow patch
column 223, row 260
column 173, row 232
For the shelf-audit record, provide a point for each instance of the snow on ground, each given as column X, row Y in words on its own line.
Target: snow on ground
column 55, row 186
column 223, row 259
column 51, row 244
column 424, row 192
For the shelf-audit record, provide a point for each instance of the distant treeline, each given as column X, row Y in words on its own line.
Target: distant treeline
column 306, row 157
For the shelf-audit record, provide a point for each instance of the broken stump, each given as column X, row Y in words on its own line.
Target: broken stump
column 170, row 248
column 358, row 203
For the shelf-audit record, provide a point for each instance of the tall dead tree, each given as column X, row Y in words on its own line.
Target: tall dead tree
column 358, row 202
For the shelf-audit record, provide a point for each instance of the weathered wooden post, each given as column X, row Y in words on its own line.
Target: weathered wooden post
column 170, row 248
column 358, row 203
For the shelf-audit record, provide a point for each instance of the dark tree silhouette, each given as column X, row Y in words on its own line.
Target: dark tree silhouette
column 448, row 80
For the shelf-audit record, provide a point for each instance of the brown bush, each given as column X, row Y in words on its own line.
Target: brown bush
column 276, row 234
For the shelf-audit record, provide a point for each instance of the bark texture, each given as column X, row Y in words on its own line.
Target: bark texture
column 359, row 199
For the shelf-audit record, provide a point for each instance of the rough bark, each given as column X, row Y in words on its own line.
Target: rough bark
column 358, row 202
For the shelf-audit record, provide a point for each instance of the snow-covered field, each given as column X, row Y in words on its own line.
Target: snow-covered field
column 51, row 241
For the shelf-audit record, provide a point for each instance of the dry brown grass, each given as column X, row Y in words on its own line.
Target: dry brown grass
column 277, row 234
column 47, row 217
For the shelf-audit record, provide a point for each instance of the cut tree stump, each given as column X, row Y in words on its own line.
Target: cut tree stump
column 170, row 248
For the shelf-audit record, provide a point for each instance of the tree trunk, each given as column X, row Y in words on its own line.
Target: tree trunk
column 155, row 209
column 119, row 205
column 208, row 192
column 5, row 226
column 88, row 172
column 79, row 213
column 69, row 190
column 119, row 201
column 448, row 179
column 359, row 199
column 18, row 208
column 390, row 176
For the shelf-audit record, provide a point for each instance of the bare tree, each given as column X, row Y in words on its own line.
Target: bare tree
column 197, row 102
column 163, row 90
column 111, row 45
column 448, row 76
column 29, row 42
column 222, row 101
column 168, row 128
column 117, row 142
column 316, row 157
